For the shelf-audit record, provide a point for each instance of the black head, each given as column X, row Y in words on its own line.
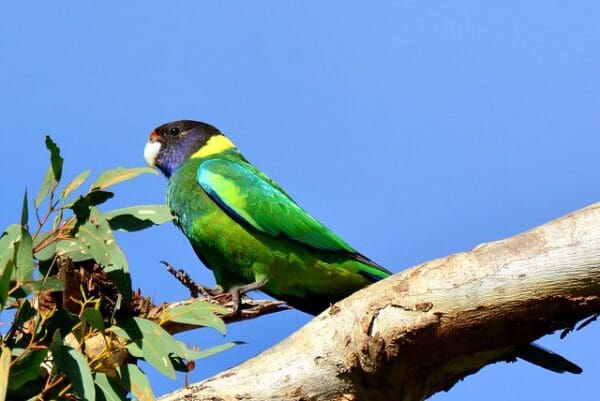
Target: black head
column 173, row 143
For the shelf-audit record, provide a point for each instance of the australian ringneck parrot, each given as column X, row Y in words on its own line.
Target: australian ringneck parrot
column 252, row 234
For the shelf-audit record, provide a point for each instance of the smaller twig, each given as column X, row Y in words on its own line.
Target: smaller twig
column 50, row 384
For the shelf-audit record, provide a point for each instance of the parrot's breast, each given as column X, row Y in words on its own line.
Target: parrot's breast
column 238, row 254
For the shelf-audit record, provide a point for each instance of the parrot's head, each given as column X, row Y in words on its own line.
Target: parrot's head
column 173, row 143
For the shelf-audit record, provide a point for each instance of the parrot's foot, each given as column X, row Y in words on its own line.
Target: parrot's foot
column 238, row 292
column 195, row 288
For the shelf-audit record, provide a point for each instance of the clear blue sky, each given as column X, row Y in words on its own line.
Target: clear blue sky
column 412, row 129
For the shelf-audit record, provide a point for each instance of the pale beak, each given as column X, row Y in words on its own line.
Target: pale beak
column 152, row 149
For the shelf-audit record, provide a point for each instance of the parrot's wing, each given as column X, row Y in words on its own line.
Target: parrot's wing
column 252, row 198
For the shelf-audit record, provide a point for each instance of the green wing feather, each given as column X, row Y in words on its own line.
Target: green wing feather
column 252, row 198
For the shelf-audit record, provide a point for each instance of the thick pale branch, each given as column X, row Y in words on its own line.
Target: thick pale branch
column 422, row 330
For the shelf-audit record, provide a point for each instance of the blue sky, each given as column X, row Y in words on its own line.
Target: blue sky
column 412, row 129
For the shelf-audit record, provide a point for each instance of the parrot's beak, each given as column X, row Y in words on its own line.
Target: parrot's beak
column 152, row 149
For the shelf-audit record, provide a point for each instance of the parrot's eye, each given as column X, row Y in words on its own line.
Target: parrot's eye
column 174, row 131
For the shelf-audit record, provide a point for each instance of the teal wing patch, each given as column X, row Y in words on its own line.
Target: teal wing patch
column 252, row 198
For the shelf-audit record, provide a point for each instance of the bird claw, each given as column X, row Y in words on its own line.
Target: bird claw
column 217, row 293
column 238, row 292
column 209, row 293
column 195, row 289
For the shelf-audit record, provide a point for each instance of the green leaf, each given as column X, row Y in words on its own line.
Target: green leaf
column 81, row 206
column 198, row 313
column 44, row 189
column 149, row 341
column 137, row 381
column 94, row 318
column 138, row 217
column 96, row 238
column 27, row 368
column 12, row 302
column 120, row 174
column 56, row 159
column 7, row 243
column 73, row 185
column 48, row 285
column 24, row 313
column 4, row 371
column 24, row 265
column 74, row 366
column 179, row 363
column 7, row 272
column 108, row 388
column 25, row 211
column 192, row 354
column 73, row 249
column 118, row 271
column 46, row 253
column 10, row 234
column 62, row 321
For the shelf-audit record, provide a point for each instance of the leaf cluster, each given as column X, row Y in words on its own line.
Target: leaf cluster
column 77, row 329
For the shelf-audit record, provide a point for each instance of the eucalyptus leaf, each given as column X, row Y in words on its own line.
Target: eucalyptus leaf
column 139, row 217
column 44, row 189
column 75, row 183
column 81, row 206
column 5, row 357
column 48, row 285
column 25, row 312
column 153, row 353
column 118, row 271
column 138, row 382
column 56, row 159
column 109, row 388
column 95, row 237
column 10, row 234
column 94, row 318
column 27, row 368
column 24, row 265
column 120, row 174
column 8, row 238
column 149, row 341
column 46, row 253
column 179, row 363
column 25, row 211
column 60, row 322
column 7, row 272
column 73, row 250
column 193, row 355
column 198, row 313
column 74, row 366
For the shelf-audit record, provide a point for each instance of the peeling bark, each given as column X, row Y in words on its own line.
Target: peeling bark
column 422, row 330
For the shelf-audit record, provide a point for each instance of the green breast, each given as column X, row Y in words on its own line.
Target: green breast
column 221, row 243
column 185, row 197
column 239, row 254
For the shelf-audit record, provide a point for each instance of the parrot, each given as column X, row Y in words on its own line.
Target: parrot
column 253, row 235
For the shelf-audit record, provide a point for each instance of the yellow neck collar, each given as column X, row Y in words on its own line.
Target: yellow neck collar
column 216, row 144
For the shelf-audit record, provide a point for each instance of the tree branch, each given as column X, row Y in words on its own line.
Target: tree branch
column 249, row 309
column 424, row 329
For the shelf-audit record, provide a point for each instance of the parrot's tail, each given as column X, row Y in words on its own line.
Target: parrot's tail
column 547, row 359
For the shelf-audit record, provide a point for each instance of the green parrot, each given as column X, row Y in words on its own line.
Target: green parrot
column 252, row 234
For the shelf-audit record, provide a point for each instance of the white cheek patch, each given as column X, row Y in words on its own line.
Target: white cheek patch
column 151, row 152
